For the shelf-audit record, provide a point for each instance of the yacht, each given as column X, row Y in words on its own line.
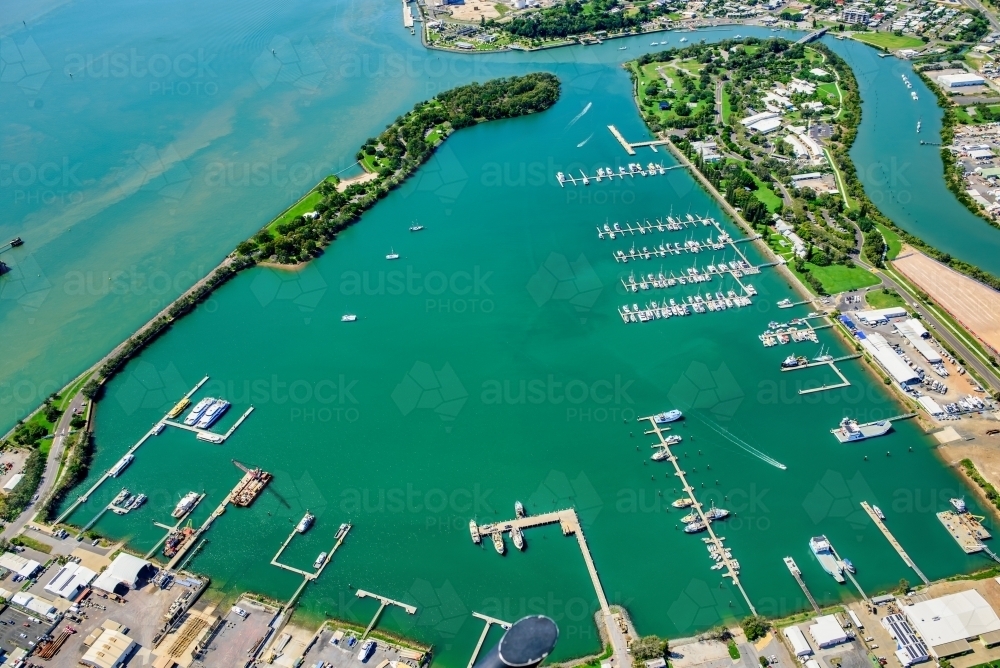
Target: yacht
column 714, row 513
column 120, row 466
column 673, row 439
column 695, row 527
column 519, row 509
column 320, row 560
column 197, row 411
column 350, row 317
column 684, row 39
column 959, row 505
column 669, row 416
column 792, row 361
column 214, row 412
column 366, row 650
column 660, row 455
column 682, row 503
column 393, row 255
column 498, row 543
column 137, row 501
column 185, row 505
column 474, row 530
column 416, row 228
column 342, row 531
column 517, row 536
column 878, row 513
column 306, row 522
column 848, row 566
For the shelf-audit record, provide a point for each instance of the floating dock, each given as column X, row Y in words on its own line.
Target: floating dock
column 250, row 486
column 107, row 474
column 630, row 147
column 383, row 602
column 306, row 574
column 731, row 565
column 966, row 529
column 634, row 169
column 667, row 250
column 669, row 224
column 793, row 568
column 692, row 276
column 892, row 541
column 832, row 363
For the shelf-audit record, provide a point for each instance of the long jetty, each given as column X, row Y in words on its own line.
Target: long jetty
column 892, row 541
column 382, row 603
column 107, row 474
column 731, row 565
column 793, row 568
column 490, row 621
column 630, row 147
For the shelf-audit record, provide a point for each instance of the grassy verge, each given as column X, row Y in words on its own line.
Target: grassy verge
column 734, row 651
column 29, row 542
column 767, row 197
column 727, row 107
column 837, row 278
column 888, row 41
column 306, row 204
column 892, row 241
column 884, row 298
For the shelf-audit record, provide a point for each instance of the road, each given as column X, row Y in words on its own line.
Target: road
column 62, row 430
column 975, row 4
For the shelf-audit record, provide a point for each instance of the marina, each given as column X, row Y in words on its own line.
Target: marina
column 880, row 523
column 667, row 224
column 781, row 333
column 831, row 362
column 170, row 530
column 713, row 542
column 634, row 169
column 202, row 433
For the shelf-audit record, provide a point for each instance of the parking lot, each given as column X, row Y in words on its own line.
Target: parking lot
column 232, row 644
column 17, row 624
column 345, row 656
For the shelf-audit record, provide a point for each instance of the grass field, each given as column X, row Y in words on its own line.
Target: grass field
column 892, row 240
column 727, row 107
column 769, row 198
column 840, row 278
column 884, row 298
column 888, row 40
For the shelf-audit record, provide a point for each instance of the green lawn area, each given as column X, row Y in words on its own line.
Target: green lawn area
column 45, row 446
column 840, row 278
column 888, row 40
column 67, row 396
column 884, row 298
column 727, row 107
column 892, row 240
column 28, row 541
column 769, row 198
column 306, row 204
column 828, row 92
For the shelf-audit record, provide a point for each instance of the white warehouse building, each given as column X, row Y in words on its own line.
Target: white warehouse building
column 959, row 80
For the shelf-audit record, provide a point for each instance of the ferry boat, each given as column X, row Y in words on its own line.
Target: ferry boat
column 306, row 522
column 498, row 543
column 959, row 505
column 366, row 650
column 695, row 527
column 209, row 437
column 198, row 410
column 474, row 530
column 120, row 466
column 393, row 255
column 350, row 317
column 519, row 509
column 518, row 537
column 342, row 531
column 682, row 503
column 878, row 513
column 669, row 416
column 179, row 408
column 214, row 412
column 792, row 361
column 185, row 505
column 137, row 501
column 824, row 553
column 850, row 431
column 320, row 560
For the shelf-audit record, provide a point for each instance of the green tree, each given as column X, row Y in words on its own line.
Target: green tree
column 755, row 627
column 91, row 388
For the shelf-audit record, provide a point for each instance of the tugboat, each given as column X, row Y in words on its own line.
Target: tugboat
column 517, row 536
column 518, row 509
column 501, row 547
column 306, row 522
column 669, row 416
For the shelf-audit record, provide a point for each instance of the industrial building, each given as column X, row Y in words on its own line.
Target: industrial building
column 124, row 571
column 37, row 605
column 110, row 649
column 12, row 483
column 800, row 646
column 70, row 581
column 25, row 568
column 959, row 80
column 880, row 350
column 880, row 316
column 915, row 333
column 932, row 407
column 950, row 624
column 827, row 632
column 909, row 648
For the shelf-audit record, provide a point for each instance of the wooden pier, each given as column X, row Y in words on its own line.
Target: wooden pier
column 170, row 529
column 383, row 602
column 482, row 637
column 793, row 568
column 830, row 363
column 731, row 565
column 211, row 436
column 131, row 451
column 892, row 541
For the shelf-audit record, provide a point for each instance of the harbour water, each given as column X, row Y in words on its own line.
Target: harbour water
column 488, row 364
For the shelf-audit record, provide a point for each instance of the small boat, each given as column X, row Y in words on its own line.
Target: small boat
column 661, row 455
column 913, row 94
column 350, row 317
column 474, row 530
column 682, row 503
column 366, row 650
column 320, row 560
column 15, row 242
column 518, row 509
column 690, row 517
column 416, row 228
column 695, row 527
column 158, row 429
column 918, row 127
column 622, row 48
column 849, row 567
column 684, row 39
column 517, row 536
column 792, row 361
column 669, row 416
column 878, row 513
column 393, row 255
column 498, row 543
column 137, row 501
column 306, row 522
column 342, row 531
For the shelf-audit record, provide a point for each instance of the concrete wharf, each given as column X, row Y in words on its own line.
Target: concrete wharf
column 131, row 451
column 892, row 541
column 629, row 147
column 382, row 603
column 170, row 529
column 793, row 568
column 966, row 529
column 731, row 565
column 830, row 363
column 209, row 435
column 482, row 637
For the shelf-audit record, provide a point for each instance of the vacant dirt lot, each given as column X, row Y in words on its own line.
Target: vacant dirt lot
column 970, row 302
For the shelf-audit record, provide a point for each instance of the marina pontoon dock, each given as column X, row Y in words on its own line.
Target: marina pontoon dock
column 171, row 529
column 482, row 636
column 668, row 224
column 793, row 568
column 382, row 603
column 832, row 363
column 634, row 169
column 156, row 429
column 666, row 250
column 715, row 541
column 892, row 541
column 629, row 147
column 206, row 434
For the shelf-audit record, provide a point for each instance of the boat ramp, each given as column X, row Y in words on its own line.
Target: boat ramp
column 892, row 541
column 714, row 542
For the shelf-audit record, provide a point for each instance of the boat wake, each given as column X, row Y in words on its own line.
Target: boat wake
column 580, row 115
column 736, row 440
column 580, row 145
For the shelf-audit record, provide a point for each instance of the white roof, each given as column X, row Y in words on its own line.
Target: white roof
column 980, row 153
column 18, row 564
column 766, row 125
column 124, row 570
column 750, row 120
column 881, row 314
column 35, row 604
column 932, row 407
column 826, row 631
column 819, row 72
column 807, row 177
column 952, row 79
column 883, row 353
column 907, row 329
column 12, row 483
column 70, row 580
column 954, row 617
column 800, row 646
column 854, row 618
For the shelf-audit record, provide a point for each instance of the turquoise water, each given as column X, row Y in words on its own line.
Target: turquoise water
column 413, row 420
